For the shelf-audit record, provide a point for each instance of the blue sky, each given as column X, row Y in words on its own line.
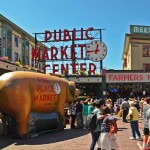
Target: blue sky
column 115, row 16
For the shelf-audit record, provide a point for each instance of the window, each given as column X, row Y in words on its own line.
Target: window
column 15, row 56
column 4, row 33
column 146, row 50
column 146, row 67
column 9, row 54
column 16, row 41
column 9, row 40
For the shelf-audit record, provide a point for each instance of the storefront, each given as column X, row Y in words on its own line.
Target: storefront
column 128, row 83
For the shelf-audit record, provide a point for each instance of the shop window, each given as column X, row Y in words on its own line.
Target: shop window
column 146, row 67
column 146, row 50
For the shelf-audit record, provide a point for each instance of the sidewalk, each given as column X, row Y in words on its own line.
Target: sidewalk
column 70, row 139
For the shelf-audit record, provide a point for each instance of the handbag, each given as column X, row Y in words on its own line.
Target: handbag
column 120, row 112
column 129, row 118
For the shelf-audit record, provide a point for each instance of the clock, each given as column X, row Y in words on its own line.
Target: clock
column 96, row 50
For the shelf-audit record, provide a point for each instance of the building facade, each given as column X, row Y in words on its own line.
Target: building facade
column 136, row 51
column 15, row 43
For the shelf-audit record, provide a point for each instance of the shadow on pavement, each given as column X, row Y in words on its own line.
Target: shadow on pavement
column 44, row 139
column 121, row 129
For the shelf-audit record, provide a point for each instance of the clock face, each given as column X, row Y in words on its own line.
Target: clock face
column 96, row 50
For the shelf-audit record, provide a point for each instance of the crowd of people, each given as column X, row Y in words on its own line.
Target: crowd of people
column 131, row 110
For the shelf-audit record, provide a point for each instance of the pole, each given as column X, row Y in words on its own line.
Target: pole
column 103, row 73
column 35, row 46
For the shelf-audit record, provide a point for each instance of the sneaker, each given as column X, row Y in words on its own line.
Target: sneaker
column 132, row 138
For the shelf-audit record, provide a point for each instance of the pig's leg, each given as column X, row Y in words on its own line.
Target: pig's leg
column 22, row 124
column 60, row 109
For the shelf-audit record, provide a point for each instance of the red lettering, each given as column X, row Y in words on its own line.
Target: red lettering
column 83, row 66
column 74, row 35
column 92, row 68
column 35, row 97
column 48, row 35
column 67, row 36
column 55, row 68
column 57, row 38
column 35, row 53
column 82, row 46
column 73, row 53
column 87, row 35
column 45, row 54
column 74, row 68
column 110, row 77
column 44, row 68
column 54, row 52
column 64, row 69
column 63, row 52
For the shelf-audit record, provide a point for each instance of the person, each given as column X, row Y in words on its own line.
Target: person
column 148, row 122
column 72, row 113
column 134, row 122
column 146, row 106
column 99, row 106
column 141, row 107
column 85, row 114
column 116, row 108
column 107, row 140
column 79, row 114
column 109, row 104
column 91, row 107
column 125, row 107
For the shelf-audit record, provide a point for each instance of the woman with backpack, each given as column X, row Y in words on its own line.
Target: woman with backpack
column 107, row 139
column 99, row 105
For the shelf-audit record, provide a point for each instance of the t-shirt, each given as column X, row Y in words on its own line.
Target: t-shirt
column 134, row 112
column 98, row 112
column 79, row 107
column 148, row 118
column 85, row 110
column 145, row 108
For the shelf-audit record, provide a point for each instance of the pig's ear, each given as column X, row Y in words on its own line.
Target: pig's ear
column 72, row 89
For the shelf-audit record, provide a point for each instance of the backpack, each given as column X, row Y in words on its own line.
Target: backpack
column 92, row 122
column 113, row 125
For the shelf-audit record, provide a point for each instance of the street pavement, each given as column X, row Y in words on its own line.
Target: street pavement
column 70, row 139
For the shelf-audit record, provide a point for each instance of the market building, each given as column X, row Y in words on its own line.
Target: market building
column 78, row 60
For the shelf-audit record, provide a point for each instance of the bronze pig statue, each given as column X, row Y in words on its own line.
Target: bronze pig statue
column 24, row 92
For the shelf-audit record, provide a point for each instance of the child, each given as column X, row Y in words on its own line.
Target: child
column 107, row 140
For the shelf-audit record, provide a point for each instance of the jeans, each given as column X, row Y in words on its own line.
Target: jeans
column 135, row 129
column 95, row 136
column 79, row 119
